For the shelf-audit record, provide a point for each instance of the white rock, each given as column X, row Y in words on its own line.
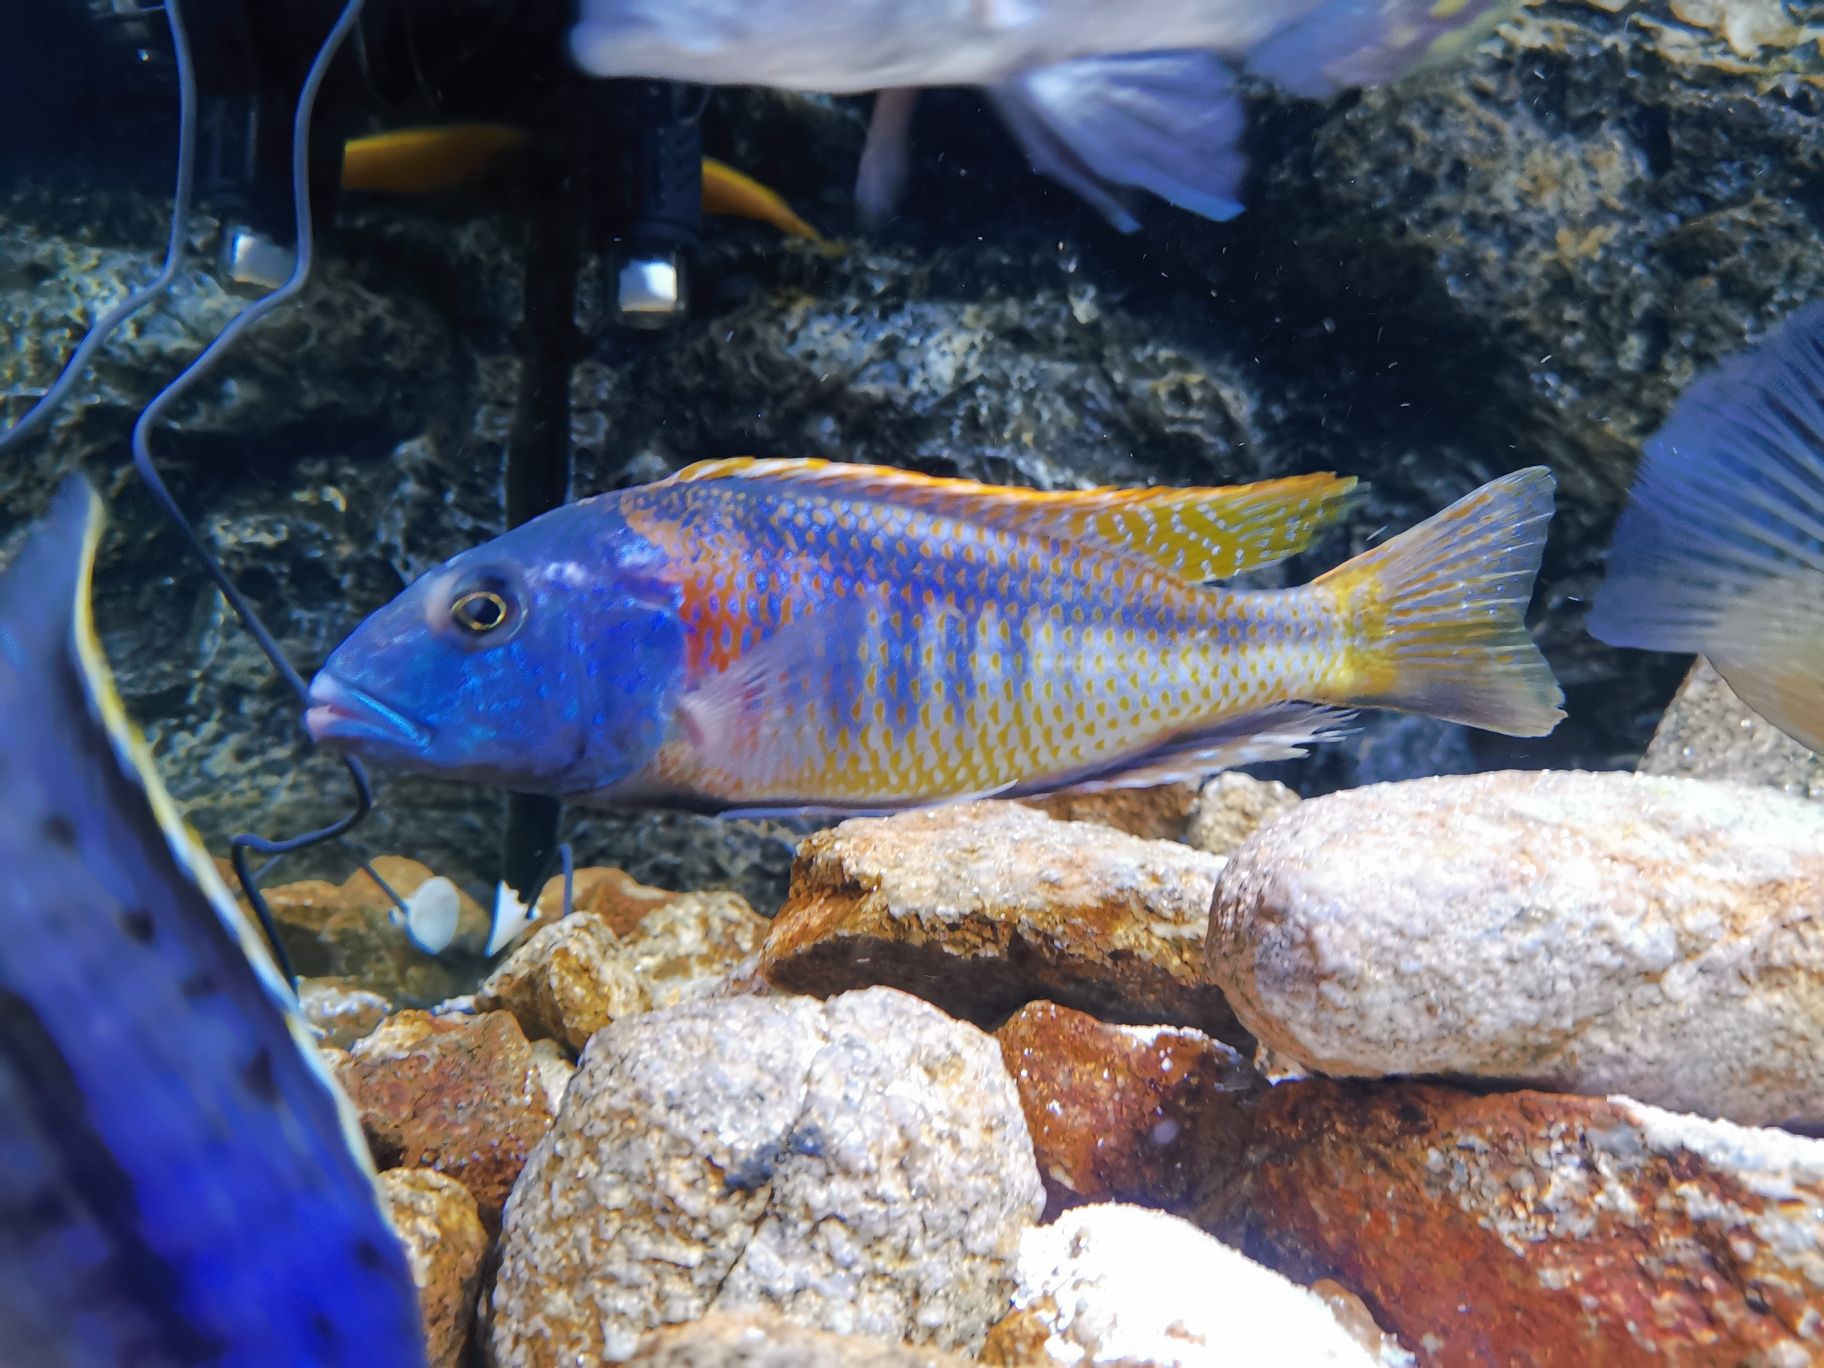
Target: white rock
column 1590, row 933
column 1124, row 1285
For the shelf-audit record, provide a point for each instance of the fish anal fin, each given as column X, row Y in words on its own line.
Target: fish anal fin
column 1280, row 732
column 1195, row 534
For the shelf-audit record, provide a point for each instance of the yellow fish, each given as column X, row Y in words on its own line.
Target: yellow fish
column 422, row 161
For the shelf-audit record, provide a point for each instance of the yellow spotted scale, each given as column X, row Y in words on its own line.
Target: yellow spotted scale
column 858, row 637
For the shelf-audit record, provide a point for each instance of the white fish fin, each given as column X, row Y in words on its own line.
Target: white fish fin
column 1165, row 122
column 1721, row 547
column 1437, row 615
column 1196, row 534
column 881, row 177
column 1280, row 732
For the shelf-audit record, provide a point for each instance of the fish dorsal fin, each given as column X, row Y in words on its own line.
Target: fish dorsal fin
column 1193, row 534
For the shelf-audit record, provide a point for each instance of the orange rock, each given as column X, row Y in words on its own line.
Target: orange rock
column 981, row 907
column 1121, row 1113
column 462, row 1095
column 1537, row 1229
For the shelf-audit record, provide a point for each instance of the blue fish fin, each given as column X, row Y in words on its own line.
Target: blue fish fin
column 1165, row 122
column 1371, row 42
column 1721, row 547
column 1437, row 615
column 1279, row 732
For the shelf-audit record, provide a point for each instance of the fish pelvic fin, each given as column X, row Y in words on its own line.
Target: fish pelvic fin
column 1436, row 616
column 1195, row 535
column 1720, row 550
column 1166, row 122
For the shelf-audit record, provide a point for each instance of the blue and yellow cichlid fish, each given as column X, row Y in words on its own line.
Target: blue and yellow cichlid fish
column 1720, row 550
column 180, row 1181
column 806, row 635
column 1104, row 95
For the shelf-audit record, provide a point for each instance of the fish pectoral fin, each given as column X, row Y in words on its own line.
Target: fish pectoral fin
column 1195, row 535
column 1166, row 122
column 1280, row 732
column 743, row 717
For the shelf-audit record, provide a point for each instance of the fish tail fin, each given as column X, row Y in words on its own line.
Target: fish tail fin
column 1721, row 547
column 1435, row 617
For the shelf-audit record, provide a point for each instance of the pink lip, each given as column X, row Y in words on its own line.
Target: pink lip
column 340, row 713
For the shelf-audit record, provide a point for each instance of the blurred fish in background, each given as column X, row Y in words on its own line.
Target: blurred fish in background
column 180, row 1180
column 1720, row 551
column 1104, row 97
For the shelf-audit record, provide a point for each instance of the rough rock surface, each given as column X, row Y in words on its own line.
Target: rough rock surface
column 1159, row 813
column 340, row 1012
column 1709, row 733
column 352, row 932
column 1120, row 1113
column 462, row 1095
column 565, row 982
column 860, row 1166
column 981, row 907
column 614, row 895
column 751, row 1339
column 1590, row 932
column 1535, row 1229
column 1232, row 807
column 445, row 1245
column 1129, row 1286
column 692, row 944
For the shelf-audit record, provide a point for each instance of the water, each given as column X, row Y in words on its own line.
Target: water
column 1520, row 259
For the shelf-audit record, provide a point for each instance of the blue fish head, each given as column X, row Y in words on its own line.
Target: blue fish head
column 545, row 661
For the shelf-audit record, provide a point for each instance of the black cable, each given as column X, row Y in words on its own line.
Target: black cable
column 73, row 370
column 150, row 416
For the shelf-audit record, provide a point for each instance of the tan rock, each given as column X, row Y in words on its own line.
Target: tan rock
column 692, row 944
column 981, row 907
column 1232, row 807
column 1159, row 813
column 565, row 982
column 1120, row 1113
column 614, row 895
column 1129, row 1286
column 1535, row 1229
column 1587, row 932
column 462, row 1095
column 1709, row 733
column 445, row 1245
column 554, row 1071
column 860, row 1166
column 758, row 1339
column 339, row 1011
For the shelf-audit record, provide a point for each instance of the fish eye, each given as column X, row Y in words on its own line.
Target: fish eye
column 481, row 611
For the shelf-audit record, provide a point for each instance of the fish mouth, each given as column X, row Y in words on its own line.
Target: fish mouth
column 338, row 713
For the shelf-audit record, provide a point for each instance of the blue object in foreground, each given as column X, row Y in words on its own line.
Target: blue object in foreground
column 180, row 1180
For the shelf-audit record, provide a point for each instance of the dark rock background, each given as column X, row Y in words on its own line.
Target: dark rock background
column 1521, row 259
